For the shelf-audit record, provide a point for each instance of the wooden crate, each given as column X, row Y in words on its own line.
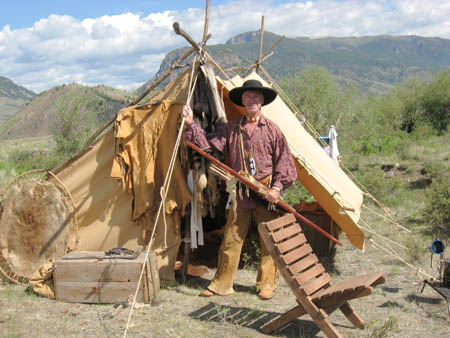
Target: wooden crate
column 94, row 277
column 321, row 245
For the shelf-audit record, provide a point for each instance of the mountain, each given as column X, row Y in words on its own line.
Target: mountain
column 375, row 63
column 37, row 117
column 12, row 98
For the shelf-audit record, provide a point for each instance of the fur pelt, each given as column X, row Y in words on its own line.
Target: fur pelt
column 35, row 226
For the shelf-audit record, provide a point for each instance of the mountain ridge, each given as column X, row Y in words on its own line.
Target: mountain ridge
column 375, row 63
column 12, row 97
column 36, row 118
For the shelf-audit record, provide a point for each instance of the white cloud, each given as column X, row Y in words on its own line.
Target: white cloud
column 125, row 50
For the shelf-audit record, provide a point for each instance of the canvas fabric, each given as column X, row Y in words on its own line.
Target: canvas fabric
column 42, row 281
column 103, row 207
column 105, row 194
column 145, row 138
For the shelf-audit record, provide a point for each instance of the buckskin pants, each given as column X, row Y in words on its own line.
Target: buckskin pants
column 236, row 230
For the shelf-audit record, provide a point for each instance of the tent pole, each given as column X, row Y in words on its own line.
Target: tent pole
column 187, row 246
column 261, row 38
column 205, row 29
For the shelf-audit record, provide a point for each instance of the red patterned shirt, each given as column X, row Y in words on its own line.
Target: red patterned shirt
column 266, row 144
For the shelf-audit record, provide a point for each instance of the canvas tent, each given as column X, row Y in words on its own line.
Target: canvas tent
column 115, row 183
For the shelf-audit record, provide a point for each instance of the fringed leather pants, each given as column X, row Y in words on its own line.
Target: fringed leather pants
column 236, row 230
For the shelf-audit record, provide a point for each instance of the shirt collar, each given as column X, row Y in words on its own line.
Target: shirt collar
column 262, row 120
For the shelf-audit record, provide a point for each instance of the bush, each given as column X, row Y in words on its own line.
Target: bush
column 322, row 100
column 435, row 102
column 382, row 187
column 437, row 211
column 26, row 160
column 73, row 127
column 296, row 194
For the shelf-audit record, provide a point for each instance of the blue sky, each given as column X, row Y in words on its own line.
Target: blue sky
column 122, row 43
column 32, row 11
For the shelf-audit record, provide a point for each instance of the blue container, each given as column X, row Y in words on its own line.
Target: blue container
column 437, row 247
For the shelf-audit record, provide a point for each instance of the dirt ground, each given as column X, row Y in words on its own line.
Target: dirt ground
column 395, row 309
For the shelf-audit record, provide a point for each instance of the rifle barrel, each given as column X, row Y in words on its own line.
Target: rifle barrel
column 282, row 204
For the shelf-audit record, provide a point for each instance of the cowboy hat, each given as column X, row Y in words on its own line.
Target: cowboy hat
column 236, row 93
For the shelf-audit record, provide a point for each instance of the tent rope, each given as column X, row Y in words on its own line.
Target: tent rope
column 387, row 219
column 397, row 256
column 368, row 228
column 162, row 193
column 164, row 188
column 315, row 134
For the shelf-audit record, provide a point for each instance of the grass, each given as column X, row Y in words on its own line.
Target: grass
column 22, row 155
column 395, row 309
column 389, row 326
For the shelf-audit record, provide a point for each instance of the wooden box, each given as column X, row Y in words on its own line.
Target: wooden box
column 94, row 277
column 321, row 245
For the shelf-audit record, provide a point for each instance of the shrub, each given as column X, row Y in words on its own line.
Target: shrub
column 296, row 194
column 435, row 102
column 320, row 97
column 27, row 160
column 73, row 126
column 437, row 211
column 384, row 188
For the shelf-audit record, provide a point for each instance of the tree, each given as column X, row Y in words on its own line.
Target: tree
column 410, row 114
column 319, row 97
column 435, row 102
column 73, row 125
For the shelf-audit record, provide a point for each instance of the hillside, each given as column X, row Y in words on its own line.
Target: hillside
column 375, row 63
column 37, row 117
column 12, row 98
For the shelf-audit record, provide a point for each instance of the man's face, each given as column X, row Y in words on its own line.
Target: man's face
column 252, row 101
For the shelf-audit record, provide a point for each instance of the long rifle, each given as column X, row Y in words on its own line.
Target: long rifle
column 282, row 204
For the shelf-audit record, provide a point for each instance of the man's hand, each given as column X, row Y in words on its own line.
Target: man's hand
column 188, row 114
column 272, row 195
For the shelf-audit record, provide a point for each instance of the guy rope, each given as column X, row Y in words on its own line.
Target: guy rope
column 164, row 189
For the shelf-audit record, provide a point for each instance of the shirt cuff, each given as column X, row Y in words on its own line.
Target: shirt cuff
column 278, row 186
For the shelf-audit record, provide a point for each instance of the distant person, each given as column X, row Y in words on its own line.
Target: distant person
column 256, row 146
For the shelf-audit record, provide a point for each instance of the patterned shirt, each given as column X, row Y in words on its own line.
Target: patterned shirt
column 266, row 144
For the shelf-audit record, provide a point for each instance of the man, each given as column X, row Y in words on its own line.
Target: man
column 255, row 145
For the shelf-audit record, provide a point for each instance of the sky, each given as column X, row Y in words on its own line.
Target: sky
column 121, row 44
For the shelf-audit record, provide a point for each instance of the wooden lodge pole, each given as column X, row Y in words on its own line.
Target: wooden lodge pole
column 261, row 38
column 206, row 27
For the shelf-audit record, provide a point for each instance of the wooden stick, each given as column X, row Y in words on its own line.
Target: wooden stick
column 171, row 69
column 273, row 46
column 261, row 38
column 179, row 31
column 282, row 204
column 162, row 78
column 264, row 57
column 205, row 29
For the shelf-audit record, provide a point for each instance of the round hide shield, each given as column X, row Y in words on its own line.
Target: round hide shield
column 35, row 226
